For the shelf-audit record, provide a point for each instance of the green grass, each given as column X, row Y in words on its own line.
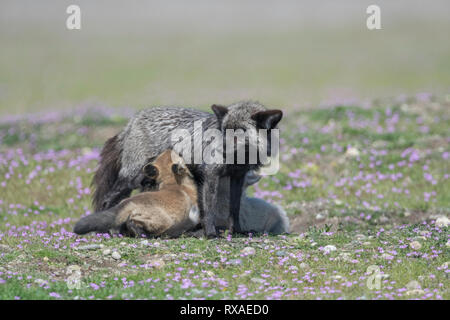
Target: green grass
column 291, row 61
column 277, row 265
column 47, row 191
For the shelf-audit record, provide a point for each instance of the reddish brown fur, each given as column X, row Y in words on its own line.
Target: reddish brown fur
column 165, row 211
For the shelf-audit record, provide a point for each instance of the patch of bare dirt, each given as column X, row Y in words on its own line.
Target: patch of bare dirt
column 300, row 223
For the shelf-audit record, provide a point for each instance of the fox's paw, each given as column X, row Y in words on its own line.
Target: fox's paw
column 134, row 229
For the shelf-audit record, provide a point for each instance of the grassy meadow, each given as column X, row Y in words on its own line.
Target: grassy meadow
column 365, row 148
column 364, row 186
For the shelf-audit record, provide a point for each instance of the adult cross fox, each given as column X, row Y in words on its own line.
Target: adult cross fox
column 149, row 133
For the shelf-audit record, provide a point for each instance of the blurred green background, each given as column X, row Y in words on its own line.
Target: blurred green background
column 195, row 53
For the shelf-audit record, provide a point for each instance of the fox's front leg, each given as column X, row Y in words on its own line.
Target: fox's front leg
column 209, row 204
column 236, row 184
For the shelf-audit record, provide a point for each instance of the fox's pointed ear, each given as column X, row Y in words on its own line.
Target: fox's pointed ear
column 150, row 171
column 267, row 119
column 219, row 111
column 180, row 170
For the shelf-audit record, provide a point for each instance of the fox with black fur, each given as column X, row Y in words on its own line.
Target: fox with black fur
column 149, row 132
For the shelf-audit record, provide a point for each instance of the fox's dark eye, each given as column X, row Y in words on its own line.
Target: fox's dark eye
column 175, row 168
column 150, row 171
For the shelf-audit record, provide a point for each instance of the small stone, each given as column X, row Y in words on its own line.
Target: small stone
column 336, row 277
column 407, row 213
column 281, row 253
column 366, row 244
column 144, row 242
column 5, row 248
column 413, row 285
column 329, row 248
column 210, row 273
column 197, row 291
column 115, row 255
column 257, row 280
column 127, row 295
column 156, row 244
column 40, row 281
column 320, row 216
column 383, row 219
column 352, row 152
column 45, row 259
column 415, row 292
column 313, row 244
column 123, row 243
column 344, row 256
column 303, row 265
column 106, row 252
column 360, row 237
column 248, row 251
column 442, row 221
column 88, row 247
column 415, row 245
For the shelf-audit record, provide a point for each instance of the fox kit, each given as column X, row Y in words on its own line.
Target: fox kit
column 149, row 133
column 256, row 215
column 171, row 211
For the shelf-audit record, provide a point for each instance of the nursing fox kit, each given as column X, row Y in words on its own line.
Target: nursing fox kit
column 148, row 134
column 171, row 210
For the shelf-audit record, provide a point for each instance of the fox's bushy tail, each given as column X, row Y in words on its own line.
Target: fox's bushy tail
column 107, row 173
column 100, row 222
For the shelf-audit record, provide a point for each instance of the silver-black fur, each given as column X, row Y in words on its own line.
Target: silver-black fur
column 148, row 133
column 256, row 215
